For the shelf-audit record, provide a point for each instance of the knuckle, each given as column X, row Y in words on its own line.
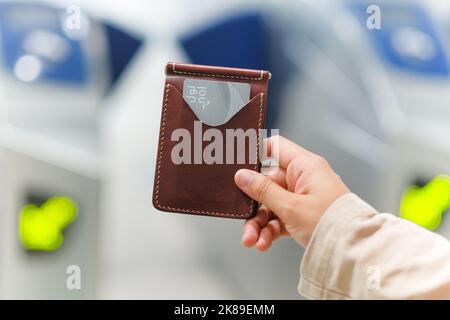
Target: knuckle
column 296, row 167
column 262, row 189
column 320, row 161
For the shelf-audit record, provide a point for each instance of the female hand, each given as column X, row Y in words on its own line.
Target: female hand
column 293, row 199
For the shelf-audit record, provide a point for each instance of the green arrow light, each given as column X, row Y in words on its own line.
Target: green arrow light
column 425, row 206
column 40, row 228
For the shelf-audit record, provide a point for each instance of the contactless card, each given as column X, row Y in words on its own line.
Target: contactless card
column 215, row 102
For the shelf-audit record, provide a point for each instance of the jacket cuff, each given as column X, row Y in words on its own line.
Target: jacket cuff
column 315, row 268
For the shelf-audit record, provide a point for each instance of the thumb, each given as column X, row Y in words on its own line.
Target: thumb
column 265, row 191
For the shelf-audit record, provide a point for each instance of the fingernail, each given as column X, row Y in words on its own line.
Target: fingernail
column 243, row 178
column 244, row 240
column 260, row 245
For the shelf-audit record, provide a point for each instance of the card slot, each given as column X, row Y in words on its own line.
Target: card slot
column 188, row 181
column 257, row 97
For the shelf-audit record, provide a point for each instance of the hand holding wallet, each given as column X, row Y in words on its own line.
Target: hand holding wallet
column 194, row 170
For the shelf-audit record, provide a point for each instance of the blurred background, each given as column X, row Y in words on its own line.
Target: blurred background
column 81, row 87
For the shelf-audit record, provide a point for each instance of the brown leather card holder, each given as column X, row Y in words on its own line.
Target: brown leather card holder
column 199, row 186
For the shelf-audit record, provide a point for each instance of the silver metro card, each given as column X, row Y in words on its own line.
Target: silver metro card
column 215, row 102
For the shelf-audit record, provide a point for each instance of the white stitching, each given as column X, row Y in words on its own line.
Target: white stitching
column 216, row 75
column 160, row 153
column 160, row 158
column 161, row 144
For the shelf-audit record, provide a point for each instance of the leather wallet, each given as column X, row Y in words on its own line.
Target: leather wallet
column 201, row 188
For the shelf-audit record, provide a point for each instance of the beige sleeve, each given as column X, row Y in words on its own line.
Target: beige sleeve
column 357, row 253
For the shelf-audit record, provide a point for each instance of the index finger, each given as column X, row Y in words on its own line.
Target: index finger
column 284, row 151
